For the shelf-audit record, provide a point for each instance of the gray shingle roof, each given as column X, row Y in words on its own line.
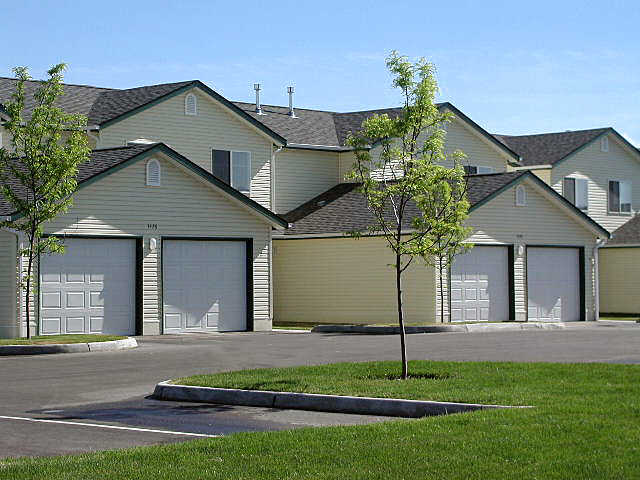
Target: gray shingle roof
column 343, row 209
column 548, row 148
column 99, row 162
column 629, row 233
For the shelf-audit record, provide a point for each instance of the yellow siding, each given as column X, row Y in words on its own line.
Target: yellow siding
column 301, row 175
column 600, row 167
column 620, row 280
column 543, row 174
column 121, row 204
column 195, row 136
column 344, row 280
column 8, row 285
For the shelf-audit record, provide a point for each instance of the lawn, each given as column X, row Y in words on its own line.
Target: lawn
column 49, row 339
column 585, row 424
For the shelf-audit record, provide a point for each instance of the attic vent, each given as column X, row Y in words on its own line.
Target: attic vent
column 521, row 196
column 190, row 104
column 604, row 144
column 153, row 173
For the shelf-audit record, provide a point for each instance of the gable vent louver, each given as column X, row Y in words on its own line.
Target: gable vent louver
column 153, row 173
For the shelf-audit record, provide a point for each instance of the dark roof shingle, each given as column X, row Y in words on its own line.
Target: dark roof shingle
column 627, row 234
column 343, row 208
column 548, row 148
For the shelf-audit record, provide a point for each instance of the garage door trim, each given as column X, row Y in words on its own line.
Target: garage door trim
column 137, row 284
column 248, row 270
column 581, row 271
column 510, row 278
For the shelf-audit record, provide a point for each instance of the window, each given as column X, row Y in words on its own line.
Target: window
column 477, row 169
column 576, row 190
column 233, row 168
column 604, row 144
column 153, row 173
column 619, row 196
column 521, row 196
column 190, row 104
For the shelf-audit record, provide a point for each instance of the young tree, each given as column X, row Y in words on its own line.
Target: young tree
column 415, row 201
column 38, row 173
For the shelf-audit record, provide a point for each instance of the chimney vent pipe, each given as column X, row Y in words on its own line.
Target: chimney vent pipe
column 256, row 87
column 290, row 91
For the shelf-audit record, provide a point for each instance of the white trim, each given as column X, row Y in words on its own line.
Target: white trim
column 187, row 111
column 620, row 212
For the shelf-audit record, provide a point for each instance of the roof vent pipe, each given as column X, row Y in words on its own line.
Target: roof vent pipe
column 256, row 87
column 290, row 91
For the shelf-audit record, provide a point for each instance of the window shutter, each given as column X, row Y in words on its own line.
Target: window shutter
column 221, row 165
column 569, row 190
column 241, row 171
column 614, row 196
column 153, row 173
column 190, row 104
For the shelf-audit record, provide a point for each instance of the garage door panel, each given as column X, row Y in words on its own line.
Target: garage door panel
column 553, row 284
column 205, row 285
column 90, row 288
column 480, row 285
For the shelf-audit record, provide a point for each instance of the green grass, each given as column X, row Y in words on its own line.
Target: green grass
column 49, row 339
column 585, row 425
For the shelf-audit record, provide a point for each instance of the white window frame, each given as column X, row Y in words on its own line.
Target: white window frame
column 149, row 183
column 620, row 212
column 604, row 144
column 195, row 104
column 521, row 202
column 575, row 191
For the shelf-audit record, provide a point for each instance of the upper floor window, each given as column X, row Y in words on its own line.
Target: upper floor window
column 233, row 168
column 153, row 173
column 604, row 144
column 576, row 190
column 476, row 169
column 620, row 196
column 521, row 196
column 190, row 104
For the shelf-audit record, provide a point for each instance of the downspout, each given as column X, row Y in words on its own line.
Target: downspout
column 273, row 177
column 272, row 201
column 596, row 264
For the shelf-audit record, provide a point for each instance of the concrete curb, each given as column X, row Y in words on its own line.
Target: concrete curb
column 390, row 407
column 462, row 328
column 110, row 346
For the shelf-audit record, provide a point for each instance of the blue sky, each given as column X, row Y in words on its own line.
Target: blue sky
column 512, row 67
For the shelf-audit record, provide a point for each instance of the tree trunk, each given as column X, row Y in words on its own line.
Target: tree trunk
column 441, row 292
column 403, row 345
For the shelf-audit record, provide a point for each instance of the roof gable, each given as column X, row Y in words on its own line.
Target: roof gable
column 104, row 162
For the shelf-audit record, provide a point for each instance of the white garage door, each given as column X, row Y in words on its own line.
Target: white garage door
column 204, row 285
column 480, row 285
column 89, row 289
column 553, row 281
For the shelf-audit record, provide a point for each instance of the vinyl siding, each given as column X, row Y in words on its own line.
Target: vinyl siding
column 195, row 136
column 300, row 175
column 348, row 281
column 619, row 280
column 347, row 160
column 8, row 285
column 600, row 167
column 543, row 174
column 540, row 222
column 121, row 204
column 344, row 280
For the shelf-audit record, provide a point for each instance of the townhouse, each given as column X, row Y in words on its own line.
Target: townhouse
column 196, row 213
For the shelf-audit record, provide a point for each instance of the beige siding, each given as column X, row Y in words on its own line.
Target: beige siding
column 303, row 174
column 347, row 161
column 121, row 204
column 543, row 174
column 8, row 285
column 348, row 281
column 600, row 167
column 619, row 280
column 538, row 223
column 195, row 136
column 344, row 280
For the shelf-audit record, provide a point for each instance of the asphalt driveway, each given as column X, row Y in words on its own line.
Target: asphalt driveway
column 71, row 403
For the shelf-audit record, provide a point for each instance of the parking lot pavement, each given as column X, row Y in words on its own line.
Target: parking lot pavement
column 109, row 389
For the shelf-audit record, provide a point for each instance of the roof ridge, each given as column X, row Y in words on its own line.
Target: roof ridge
column 63, row 83
column 552, row 133
column 185, row 82
column 124, row 147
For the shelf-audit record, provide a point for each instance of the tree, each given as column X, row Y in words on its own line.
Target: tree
column 38, row 173
column 416, row 202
